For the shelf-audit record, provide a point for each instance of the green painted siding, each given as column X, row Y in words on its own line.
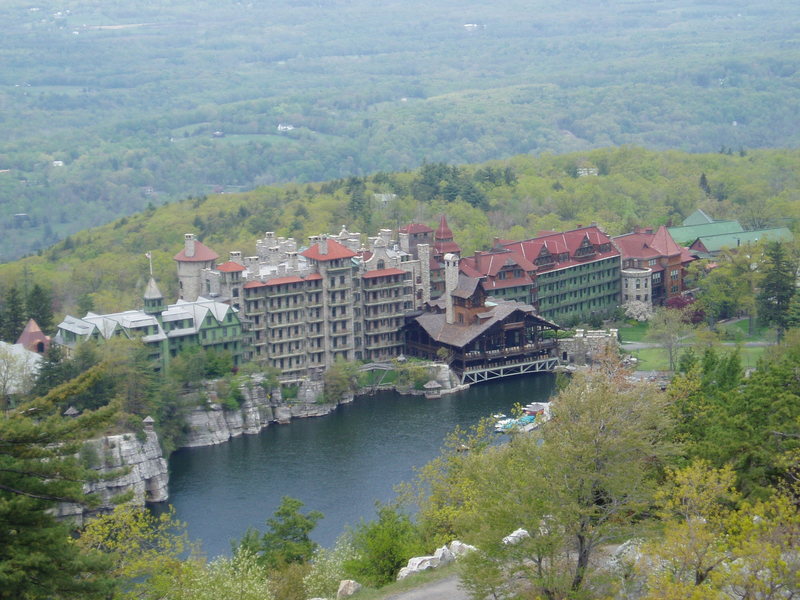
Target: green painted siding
column 578, row 291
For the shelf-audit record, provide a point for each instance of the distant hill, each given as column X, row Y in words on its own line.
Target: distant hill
column 619, row 188
column 109, row 107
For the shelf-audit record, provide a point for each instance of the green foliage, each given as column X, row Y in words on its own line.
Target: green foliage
column 328, row 568
column 749, row 423
column 382, row 547
column 340, row 379
column 287, row 537
column 13, row 316
column 40, row 466
column 778, row 287
column 576, row 484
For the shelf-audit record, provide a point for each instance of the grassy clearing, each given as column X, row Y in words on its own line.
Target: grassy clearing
column 633, row 332
column 656, row 359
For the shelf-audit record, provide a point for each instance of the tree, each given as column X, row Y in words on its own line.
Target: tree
column 667, row 328
column 715, row 546
column 383, row 546
column 39, row 467
column 13, row 316
column 39, row 307
column 777, row 287
column 141, row 545
column 287, row 537
column 340, row 379
column 574, row 485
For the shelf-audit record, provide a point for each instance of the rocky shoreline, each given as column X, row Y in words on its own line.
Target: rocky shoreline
column 146, row 477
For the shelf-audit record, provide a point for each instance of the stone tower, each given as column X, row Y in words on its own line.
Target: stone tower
column 194, row 257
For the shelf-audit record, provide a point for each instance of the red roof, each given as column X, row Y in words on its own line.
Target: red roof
column 383, row 273
column 415, row 228
column 498, row 284
column 32, row 335
column 445, row 247
column 230, row 267
column 644, row 245
column 568, row 243
column 491, row 263
column 202, row 253
column 282, row 280
column 335, row 251
column 443, row 232
column 253, row 284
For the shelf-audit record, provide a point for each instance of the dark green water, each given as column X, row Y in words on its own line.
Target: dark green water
column 339, row 464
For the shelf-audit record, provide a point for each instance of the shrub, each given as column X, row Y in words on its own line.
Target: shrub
column 383, row 547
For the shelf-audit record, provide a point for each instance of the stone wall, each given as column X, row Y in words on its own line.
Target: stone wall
column 588, row 346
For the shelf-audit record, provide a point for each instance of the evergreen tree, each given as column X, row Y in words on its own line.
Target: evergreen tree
column 40, row 467
column 777, row 288
column 39, row 307
column 13, row 316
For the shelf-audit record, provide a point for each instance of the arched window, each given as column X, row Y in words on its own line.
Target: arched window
column 381, row 264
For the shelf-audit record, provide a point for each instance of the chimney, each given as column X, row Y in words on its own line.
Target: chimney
column 424, row 253
column 188, row 245
column 236, row 257
column 403, row 237
column 323, row 245
column 293, row 266
column 450, row 284
column 273, row 256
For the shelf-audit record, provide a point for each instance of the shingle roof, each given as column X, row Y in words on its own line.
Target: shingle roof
column 698, row 217
column 32, row 335
column 647, row 245
column 335, row 251
column 567, row 242
column 416, row 228
column 152, row 292
column 688, row 234
column 459, row 335
column 202, row 253
column 715, row 243
column 230, row 267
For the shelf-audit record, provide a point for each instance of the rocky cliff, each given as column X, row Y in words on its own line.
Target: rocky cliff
column 212, row 424
column 142, row 472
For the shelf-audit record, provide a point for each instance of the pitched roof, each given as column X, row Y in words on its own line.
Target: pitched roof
column 152, row 292
column 32, row 335
column 715, row 243
column 202, row 253
column 459, row 335
column 415, row 228
column 567, row 242
column 230, row 267
column 335, row 251
column 641, row 244
column 698, row 217
column 686, row 235
column 443, row 231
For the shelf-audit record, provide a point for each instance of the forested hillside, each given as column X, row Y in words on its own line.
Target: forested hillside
column 109, row 107
column 106, row 268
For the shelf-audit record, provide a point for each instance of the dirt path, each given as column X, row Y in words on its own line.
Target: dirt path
column 443, row 589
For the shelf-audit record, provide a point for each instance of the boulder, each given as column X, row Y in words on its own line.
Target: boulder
column 347, row 587
column 444, row 555
column 459, row 549
column 515, row 537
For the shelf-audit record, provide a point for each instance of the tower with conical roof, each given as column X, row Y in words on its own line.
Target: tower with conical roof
column 194, row 257
column 153, row 299
column 443, row 239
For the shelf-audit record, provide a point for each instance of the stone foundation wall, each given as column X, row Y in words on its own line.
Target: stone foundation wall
column 588, row 346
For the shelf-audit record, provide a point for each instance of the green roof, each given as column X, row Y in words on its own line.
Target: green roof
column 715, row 243
column 698, row 217
column 688, row 234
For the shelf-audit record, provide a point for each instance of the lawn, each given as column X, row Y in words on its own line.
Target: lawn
column 633, row 333
column 655, row 359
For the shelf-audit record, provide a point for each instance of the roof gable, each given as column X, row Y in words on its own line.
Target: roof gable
column 335, row 251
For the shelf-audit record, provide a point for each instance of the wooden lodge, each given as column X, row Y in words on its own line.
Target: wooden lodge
column 482, row 339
